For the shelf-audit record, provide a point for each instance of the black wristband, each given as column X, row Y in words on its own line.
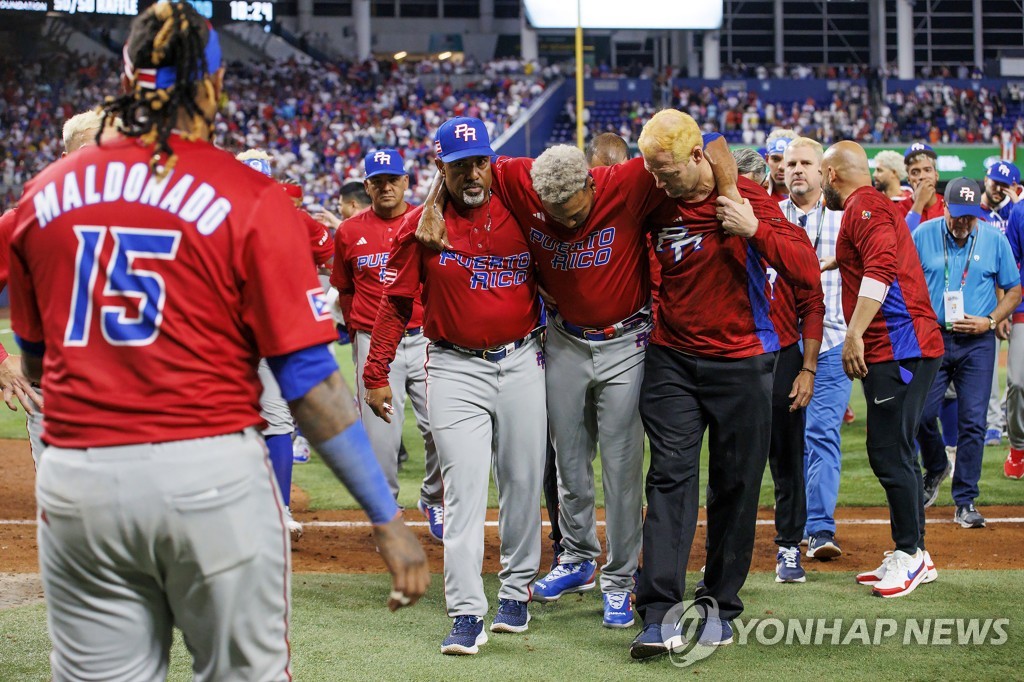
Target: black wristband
column 808, row 369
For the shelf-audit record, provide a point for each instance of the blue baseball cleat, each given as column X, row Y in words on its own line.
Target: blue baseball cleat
column 466, row 637
column 618, row 612
column 653, row 641
column 565, row 579
column 435, row 519
column 714, row 632
column 512, row 616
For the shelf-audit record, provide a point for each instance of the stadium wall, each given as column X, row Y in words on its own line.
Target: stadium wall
column 394, row 35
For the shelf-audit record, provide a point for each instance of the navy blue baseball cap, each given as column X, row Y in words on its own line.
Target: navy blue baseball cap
column 460, row 138
column 919, row 148
column 963, row 198
column 384, row 162
column 1003, row 172
column 777, row 146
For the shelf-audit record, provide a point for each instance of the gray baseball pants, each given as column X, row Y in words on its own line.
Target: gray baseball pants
column 273, row 406
column 594, row 398
column 1015, row 388
column 134, row 540
column 488, row 417
column 407, row 378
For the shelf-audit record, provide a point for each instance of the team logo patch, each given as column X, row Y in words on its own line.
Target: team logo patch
column 466, row 132
column 319, row 304
column 388, row 275
column 967, row 193
column 865, row 214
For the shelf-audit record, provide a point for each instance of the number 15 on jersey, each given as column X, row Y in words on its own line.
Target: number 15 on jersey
column 119, row 324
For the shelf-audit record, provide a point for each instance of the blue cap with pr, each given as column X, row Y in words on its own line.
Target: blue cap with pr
column 460, row 138
column 384, row 162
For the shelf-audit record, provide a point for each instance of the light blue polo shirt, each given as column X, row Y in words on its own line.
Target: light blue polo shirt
column 991, row 265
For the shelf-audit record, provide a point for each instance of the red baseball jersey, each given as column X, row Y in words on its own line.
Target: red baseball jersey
column 479, row 294
column 874, row 242
column 362, row 246
column 598, row 273
column 714, row 294
column 319, row 240
column 796, row 312
column 936, row 210
column 155, row 298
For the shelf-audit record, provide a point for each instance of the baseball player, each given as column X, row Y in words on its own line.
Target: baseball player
column 775, row 149
column 81, row 130
column 146, row 278
column 363, row 244
column 485, row 379
column 1002, row 186
column 280, row 428
column 586, row 233
column 926, row 204
column 893, row 345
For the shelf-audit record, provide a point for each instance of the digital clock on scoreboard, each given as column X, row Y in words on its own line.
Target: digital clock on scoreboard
column 262, row 12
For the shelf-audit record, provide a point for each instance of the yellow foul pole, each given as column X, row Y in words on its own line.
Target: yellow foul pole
column 580, row 130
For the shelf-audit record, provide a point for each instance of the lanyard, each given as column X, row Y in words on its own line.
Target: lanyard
column 967, row 265
column 820, row 207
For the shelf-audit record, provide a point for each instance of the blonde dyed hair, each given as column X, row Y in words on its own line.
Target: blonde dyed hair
column 893, row 161
column 808, row 143
column 671, row 131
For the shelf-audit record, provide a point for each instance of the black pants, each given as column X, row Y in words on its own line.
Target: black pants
column 786, row 456
column 551, row 492
column 895, row 394
column 683, row 396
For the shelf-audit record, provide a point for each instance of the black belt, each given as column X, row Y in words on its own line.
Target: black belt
column 612, row 331
column 413, row 331
column 496, row 354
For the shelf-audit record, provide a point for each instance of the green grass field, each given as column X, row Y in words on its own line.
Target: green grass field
column 341, row 631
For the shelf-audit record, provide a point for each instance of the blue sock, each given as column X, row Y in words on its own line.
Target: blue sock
column 948, row 416
column 280, row 448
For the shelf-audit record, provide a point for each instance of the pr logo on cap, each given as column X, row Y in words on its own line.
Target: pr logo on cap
column 382, row 157
column 465, row 132
column 967, row 193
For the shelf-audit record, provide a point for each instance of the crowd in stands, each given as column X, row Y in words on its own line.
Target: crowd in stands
column 935, row 112
column 316, row 121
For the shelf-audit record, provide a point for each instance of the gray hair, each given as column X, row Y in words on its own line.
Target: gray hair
column 749, row 161
column 559, row 173
column 893, row 161
column 81, row 129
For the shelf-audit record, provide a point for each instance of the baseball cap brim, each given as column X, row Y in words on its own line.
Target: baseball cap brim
column 386, row 171
column 482, row 150
column 960, row 210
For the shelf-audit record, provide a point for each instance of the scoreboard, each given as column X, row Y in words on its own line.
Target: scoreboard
column 215, row 10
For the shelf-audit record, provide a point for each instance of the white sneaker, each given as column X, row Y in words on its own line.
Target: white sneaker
column 294, row 527
column 875, row 576
column 902, row 576
column 932, row 574
column 300, row 450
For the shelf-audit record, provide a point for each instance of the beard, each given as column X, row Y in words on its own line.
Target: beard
column 474, row 200
column 833, row 200
column 881, row 186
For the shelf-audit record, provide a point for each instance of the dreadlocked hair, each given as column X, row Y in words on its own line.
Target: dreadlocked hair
column 167, row 34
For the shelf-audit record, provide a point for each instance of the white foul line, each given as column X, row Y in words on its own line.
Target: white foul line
column 494, row 524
